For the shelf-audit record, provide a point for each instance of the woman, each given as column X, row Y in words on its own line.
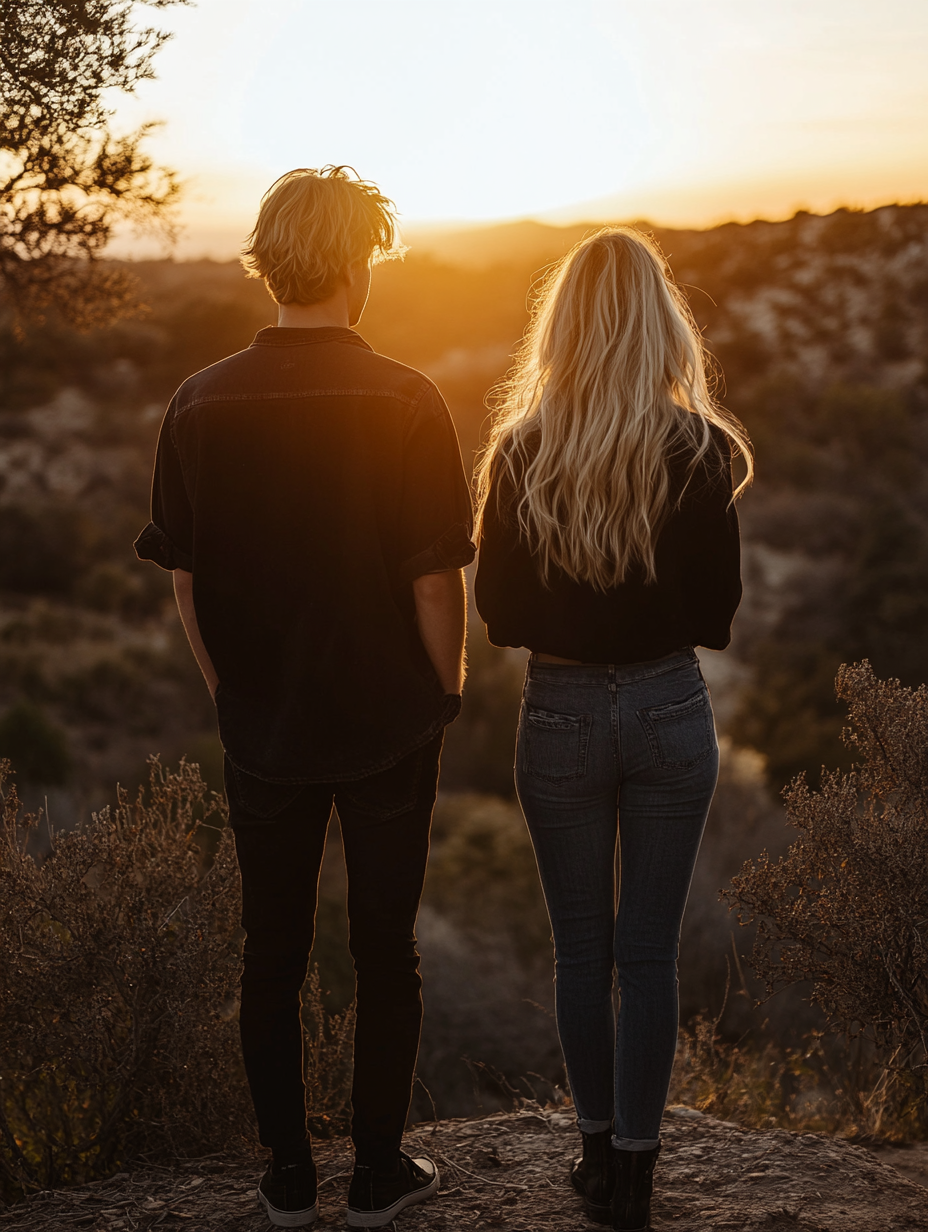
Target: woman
column 609, row 547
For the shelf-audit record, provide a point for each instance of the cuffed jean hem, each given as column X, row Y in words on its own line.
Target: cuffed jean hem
column 635, row 1144
column 593, row 1127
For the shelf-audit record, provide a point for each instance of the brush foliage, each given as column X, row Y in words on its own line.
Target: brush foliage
column 845, row 911
column 120, row 956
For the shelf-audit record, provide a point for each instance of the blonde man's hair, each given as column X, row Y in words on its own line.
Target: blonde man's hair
column 609, row 382
column 312, row 225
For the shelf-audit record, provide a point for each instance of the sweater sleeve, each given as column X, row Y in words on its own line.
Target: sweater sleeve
column 711, row 556
column 498, row 557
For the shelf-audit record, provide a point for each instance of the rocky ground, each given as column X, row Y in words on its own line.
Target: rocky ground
column 509, row 1171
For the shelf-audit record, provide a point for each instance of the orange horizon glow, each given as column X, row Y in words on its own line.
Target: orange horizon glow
column 563, row 111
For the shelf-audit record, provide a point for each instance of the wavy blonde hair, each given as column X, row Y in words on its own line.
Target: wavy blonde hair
column 311, row 226
column 608, row 384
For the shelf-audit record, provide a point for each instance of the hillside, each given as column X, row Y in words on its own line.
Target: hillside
column 839, row 296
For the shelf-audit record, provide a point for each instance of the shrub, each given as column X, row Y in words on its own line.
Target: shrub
column 328, row 1056
column 119, row 959
column 816, row 1086
column 743, row 820
column 846, row 908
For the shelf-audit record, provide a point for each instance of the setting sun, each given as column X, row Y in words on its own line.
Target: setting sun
column 685, row 113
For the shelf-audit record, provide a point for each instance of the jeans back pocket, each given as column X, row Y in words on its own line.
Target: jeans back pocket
column 553, row 746
column 386, row 794
column 254, row 799
column 680, row 734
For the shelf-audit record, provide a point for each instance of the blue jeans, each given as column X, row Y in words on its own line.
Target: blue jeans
column 617, row 753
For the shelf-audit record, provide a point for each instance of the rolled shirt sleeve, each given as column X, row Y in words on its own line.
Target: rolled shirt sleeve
column 436, row 514
column 168, row 538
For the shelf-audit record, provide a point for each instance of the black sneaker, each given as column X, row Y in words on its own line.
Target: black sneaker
column 374, row 1199
column 288, row 1195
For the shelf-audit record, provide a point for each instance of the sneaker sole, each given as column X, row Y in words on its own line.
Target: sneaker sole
column 288, row 1219
column 379, row 1219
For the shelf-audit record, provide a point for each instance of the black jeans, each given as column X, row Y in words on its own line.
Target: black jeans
column 280, row 838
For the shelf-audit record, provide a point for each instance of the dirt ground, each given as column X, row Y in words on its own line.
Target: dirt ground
column 509, row 1171
column 911, row 1160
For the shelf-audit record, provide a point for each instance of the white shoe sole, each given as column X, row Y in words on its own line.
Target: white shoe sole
column 289, row 1219
column 379, row 1219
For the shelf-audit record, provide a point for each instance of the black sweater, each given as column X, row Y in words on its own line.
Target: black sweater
column 692, row 602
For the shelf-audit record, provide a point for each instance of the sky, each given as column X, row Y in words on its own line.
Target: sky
column 685, row 112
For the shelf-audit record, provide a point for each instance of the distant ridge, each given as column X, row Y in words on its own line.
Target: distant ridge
column 526, row 240
column 506, row 243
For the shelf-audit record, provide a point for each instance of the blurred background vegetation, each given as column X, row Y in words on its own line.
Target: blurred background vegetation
column 820, row 325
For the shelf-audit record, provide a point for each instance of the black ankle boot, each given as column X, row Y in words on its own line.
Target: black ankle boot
column 631, row 1198
column 593, row 1175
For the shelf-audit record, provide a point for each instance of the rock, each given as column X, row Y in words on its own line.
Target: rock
column 509, row 1171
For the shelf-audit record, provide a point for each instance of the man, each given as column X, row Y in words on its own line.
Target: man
column 309, row 497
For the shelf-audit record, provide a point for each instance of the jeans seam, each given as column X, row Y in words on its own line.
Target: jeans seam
column 617, row 732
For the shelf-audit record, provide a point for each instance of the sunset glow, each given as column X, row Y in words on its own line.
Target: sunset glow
column 466, row 111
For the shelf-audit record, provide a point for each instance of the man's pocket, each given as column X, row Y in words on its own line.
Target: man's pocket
column 386, row 794
column 255, row 800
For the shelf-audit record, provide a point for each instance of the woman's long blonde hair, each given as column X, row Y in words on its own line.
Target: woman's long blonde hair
column 609, row 382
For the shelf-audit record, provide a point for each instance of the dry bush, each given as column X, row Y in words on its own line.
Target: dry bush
column 819, row 1086
column 713, row 982
column 120, row 956
column 846, row 909
column 759, row 1086
column 328, row 1058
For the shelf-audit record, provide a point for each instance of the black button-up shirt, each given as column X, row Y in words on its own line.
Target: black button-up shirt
column 306, row 482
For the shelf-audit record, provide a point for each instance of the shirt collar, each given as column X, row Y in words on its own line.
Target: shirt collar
column 276, row 335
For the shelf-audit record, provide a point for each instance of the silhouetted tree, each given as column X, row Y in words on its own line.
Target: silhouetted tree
column 66, row 180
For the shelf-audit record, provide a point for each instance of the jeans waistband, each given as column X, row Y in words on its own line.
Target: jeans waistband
column 610, row 673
